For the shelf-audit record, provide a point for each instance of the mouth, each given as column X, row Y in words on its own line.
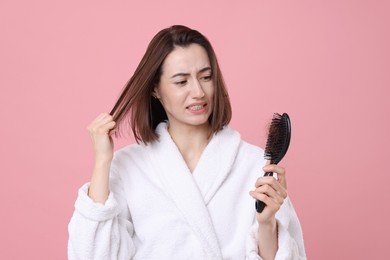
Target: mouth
column 197, row 107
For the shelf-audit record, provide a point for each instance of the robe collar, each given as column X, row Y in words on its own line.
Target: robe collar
column 192, row 192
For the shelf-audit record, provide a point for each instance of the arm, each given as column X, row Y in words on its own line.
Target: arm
column 278, row 230
column 272, row 192
column 289, row 236
column 104, row 150
column 100, row 227
column 268, row 239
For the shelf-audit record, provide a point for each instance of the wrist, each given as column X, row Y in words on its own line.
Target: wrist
column 102, row 164
column 102, row 160
column 268, row 239
column 270, row 224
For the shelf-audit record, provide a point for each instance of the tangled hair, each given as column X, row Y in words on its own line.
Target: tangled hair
column 135, row 102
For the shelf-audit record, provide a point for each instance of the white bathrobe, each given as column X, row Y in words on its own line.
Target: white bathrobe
column 158, row 209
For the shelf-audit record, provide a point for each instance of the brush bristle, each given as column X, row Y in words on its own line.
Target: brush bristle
column 278, row 138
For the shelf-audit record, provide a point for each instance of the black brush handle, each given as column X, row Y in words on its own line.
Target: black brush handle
column 259, row 204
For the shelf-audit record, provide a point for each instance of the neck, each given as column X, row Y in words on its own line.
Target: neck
column 191, row 141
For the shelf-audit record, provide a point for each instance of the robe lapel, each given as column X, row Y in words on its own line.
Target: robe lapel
column 216, row 162
column 177, row 178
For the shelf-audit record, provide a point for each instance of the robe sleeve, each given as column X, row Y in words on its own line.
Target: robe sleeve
column 98, row 231
column 290, row 238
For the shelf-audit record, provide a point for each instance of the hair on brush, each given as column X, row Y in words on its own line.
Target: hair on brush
column 278, row 141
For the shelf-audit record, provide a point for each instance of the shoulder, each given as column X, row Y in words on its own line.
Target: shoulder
column 246, row 150
column 250, row 154
column 129, row 154
column 246, row 147
column 251, row 149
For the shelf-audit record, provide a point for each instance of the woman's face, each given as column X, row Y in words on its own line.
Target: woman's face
column 186, row 88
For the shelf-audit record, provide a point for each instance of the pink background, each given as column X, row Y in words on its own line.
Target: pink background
column 325, row 62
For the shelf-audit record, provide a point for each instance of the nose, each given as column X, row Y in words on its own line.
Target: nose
column 197, row 90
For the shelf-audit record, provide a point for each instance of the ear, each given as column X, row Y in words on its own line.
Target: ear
column 155, row 92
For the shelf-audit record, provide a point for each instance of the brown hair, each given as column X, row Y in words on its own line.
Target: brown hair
column 136, row 98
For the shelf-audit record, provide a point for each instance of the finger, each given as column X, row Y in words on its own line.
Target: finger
column 103, row 129
column 101, row 121
column 260, row 196
column 271, row 192
column 101, row 116
column 97, row 121
column 269, row 202
column 275, row 184
column 106, row 120
column 280, row 171
column 112, row 131
column 275, row 168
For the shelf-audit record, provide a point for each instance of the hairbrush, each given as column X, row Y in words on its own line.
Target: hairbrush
column 279, row 135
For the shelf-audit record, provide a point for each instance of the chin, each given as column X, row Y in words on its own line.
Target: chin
column 191, row 120
column 199, row 122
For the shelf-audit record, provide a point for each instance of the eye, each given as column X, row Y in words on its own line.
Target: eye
column 181, row 83
column 206, row 78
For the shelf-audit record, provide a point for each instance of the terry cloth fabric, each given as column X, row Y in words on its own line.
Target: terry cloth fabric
column 158, row 209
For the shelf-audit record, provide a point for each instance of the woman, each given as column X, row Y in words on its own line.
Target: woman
column 182, row 191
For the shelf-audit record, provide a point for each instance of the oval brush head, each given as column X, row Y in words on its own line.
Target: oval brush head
column 279, row 135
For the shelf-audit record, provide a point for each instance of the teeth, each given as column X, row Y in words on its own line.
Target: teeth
column 195, row 107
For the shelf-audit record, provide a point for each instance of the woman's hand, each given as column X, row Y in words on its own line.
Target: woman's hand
column 273, row 193
column 270, row 191
column 102, row 141
column 103, row 145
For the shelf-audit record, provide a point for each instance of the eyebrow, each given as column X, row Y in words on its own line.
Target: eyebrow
column 187, row 74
